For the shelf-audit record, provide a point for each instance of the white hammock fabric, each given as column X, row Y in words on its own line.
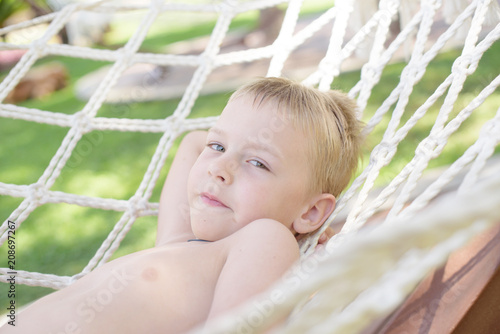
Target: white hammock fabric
column 369, row 259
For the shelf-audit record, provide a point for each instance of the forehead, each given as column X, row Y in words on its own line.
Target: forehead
column 266, row 114
column 264, row 118
column 261, row 122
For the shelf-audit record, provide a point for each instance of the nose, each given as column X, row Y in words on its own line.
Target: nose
column 222, row 170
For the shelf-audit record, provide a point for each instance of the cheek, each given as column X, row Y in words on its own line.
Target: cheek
column 257, row 200
column 195, row 176
column 289, row 201
column 190, row 188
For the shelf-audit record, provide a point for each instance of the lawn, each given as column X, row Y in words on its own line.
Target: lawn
column 61, row 238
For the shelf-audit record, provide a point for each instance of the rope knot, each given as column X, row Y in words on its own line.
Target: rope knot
column 137, row 205
column 206, row 60
column 173, row 124
column 427, row 147
column 492, row 127
column 82, row 122
column 39, row 46
column 382, row 151
column 369, row 72
column 328, row 68
column 37, row 193
column 462, row 65
column 391, row 6
column 430, row 5
column 410, row 73
column 228, row 6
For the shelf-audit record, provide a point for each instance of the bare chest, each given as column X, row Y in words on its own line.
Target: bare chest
column 168, row 289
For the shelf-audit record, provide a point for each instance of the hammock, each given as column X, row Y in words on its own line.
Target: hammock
column 371, row 260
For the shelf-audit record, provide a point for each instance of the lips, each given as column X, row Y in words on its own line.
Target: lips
column 212, row 200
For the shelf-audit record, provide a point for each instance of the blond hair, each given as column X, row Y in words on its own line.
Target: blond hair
column 328, row 119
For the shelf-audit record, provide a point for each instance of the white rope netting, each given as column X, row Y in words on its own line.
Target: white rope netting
column 368, row 259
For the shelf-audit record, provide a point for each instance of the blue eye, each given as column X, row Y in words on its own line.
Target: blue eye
column 258, row 164
column 216, row 147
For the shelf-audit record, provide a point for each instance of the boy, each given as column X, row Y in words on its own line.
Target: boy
column 267, row 172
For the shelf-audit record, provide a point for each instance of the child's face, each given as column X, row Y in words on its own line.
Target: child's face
column 254, row 166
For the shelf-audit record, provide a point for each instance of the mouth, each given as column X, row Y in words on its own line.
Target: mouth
column 212, row 200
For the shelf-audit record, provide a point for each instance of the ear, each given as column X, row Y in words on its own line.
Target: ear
column 315, row 214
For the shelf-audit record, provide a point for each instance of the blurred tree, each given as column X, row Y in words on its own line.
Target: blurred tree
column 9, row 7
column 37, row 7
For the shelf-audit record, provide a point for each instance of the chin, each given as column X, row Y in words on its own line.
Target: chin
column 204, row 230
column 213, row 227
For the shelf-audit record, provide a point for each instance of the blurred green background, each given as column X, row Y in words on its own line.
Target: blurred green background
column 61, row 238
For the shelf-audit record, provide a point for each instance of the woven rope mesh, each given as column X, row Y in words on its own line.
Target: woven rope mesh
column 380, row 54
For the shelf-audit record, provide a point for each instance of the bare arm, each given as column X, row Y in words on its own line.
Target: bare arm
column 173, row 216
column 260, row 254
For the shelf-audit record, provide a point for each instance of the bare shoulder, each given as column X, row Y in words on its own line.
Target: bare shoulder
column 257, row 256
column 264, row 248
column 265, row 237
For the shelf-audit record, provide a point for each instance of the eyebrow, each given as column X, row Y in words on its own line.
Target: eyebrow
column 252, row 144
column 216, row 130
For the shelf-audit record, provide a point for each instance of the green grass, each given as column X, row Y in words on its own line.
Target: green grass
column 61, row 238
